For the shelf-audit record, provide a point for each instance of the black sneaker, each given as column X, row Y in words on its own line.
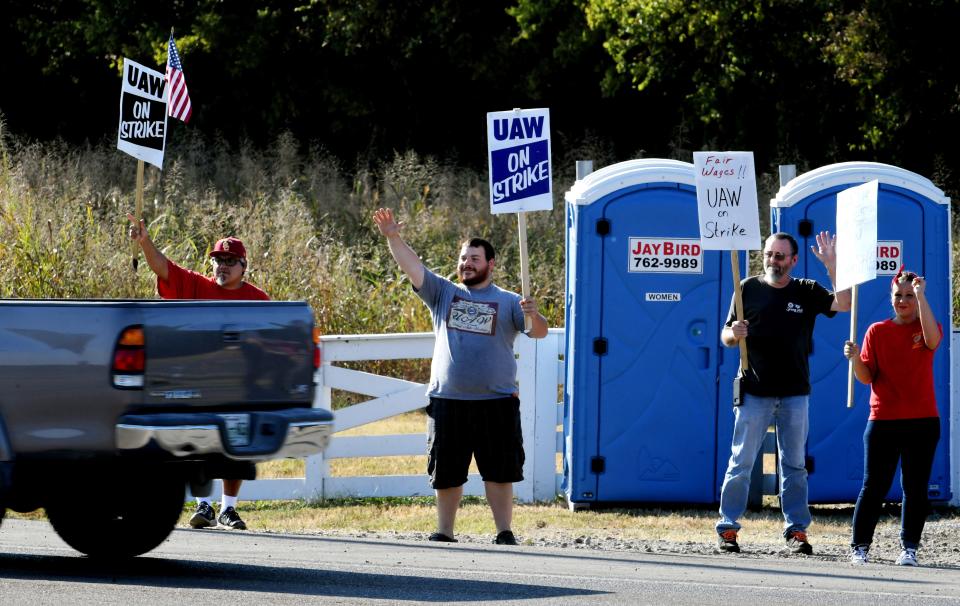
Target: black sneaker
column 505, row 538
column 727, row 542
column 203, row 517
column 439, row 537
column 231, row 519
column 797, row 542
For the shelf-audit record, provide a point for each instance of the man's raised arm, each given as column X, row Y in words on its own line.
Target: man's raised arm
column 155, row 258
column 826, row 251
column 408, row 260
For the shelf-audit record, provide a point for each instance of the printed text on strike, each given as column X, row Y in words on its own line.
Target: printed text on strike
column 141, row 130
column 521, row 180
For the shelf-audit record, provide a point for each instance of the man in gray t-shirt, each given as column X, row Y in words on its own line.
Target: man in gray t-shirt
column 473, row 410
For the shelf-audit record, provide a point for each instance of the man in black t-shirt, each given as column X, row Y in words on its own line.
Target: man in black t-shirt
column 778, row 318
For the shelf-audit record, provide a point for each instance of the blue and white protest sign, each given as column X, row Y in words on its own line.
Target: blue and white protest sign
column 143, row 113
column 518, row 147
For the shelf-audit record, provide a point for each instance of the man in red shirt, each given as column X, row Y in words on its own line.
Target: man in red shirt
column 229, row 261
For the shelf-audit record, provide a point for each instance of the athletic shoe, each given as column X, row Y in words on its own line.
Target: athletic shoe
column 797, row 542
column 439, row 537
column 859, row 554
column 231, row 519
column 505, row 538
column 727, row 541
column 203, row 517
column 908, row 557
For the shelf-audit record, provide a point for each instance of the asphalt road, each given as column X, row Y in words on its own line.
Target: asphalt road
column 225, row 567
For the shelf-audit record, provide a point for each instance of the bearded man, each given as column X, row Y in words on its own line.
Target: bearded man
column 474, row 410
column 779, row 313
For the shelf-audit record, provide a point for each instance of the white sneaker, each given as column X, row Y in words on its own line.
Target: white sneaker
column 859, row 555
column 908, row 557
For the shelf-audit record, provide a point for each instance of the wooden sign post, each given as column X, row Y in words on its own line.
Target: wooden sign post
column 143, row 123
column 727, row 211
column 856, row 250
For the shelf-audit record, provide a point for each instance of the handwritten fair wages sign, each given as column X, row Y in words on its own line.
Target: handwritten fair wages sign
column 727, row 200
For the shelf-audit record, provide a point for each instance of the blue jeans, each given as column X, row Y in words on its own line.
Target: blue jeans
column 912, row 442
column 751, row 420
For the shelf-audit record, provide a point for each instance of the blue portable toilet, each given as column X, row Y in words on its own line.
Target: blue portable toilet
column 645, row 369
column 913, row 227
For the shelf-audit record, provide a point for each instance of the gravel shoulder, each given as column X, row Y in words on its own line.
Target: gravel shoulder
column 940, row 547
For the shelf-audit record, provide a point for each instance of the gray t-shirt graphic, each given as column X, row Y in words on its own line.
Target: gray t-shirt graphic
column 475, row 328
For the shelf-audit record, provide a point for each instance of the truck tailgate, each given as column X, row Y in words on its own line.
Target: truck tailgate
column 220, row 354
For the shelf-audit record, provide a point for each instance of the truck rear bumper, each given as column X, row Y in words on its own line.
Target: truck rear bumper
column 250, row 436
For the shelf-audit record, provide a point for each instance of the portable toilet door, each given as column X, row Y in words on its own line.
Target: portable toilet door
column 913, row 228
column 644, row 308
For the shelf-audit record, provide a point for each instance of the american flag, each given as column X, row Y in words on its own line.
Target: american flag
column 178, row 103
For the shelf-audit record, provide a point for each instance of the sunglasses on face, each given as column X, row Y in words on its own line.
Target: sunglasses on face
column 228, row 261
column 777, row 256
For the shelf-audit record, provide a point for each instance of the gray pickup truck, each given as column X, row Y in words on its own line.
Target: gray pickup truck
column 109, row 409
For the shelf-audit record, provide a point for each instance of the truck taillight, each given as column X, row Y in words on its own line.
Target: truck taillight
column 316, row 349
column 129, row 359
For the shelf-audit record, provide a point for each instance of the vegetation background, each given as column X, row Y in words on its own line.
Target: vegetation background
column 310, row 114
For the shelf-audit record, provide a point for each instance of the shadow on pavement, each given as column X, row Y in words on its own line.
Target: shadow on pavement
column 156, row 572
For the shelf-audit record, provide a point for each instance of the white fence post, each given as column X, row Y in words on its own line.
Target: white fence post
column 526, row 348
column 316, row 468
column 543, row 448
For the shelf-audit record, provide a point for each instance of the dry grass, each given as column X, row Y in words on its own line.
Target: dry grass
column 550, row 521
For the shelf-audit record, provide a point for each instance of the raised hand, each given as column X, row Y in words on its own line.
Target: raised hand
column 138, row 231
column 919, row 286
column 385, row 222
column 826, row 249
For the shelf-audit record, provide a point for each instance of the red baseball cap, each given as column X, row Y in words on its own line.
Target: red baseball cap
column 229, row 247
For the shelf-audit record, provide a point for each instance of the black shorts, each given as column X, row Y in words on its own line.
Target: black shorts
column 488, row 430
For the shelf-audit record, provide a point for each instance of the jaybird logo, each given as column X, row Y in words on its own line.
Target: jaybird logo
column 794, row 308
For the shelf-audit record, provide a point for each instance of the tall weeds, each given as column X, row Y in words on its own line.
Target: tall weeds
column 304, row 216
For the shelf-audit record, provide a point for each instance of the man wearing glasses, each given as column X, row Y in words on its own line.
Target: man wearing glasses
column 229, row 264
column 778, row 318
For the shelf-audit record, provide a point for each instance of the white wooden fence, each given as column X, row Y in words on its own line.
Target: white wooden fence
column 540, row 374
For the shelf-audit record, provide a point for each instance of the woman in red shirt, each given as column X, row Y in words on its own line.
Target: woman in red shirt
column 904, row 424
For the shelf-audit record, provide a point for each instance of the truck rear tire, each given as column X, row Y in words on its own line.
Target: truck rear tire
column 119, row 529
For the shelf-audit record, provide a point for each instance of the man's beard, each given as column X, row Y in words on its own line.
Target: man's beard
column 478, row 277
column 221, row 279
column 774, row 273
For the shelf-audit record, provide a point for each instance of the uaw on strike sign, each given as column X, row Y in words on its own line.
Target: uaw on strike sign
column 518, row 145
column 143, row 113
